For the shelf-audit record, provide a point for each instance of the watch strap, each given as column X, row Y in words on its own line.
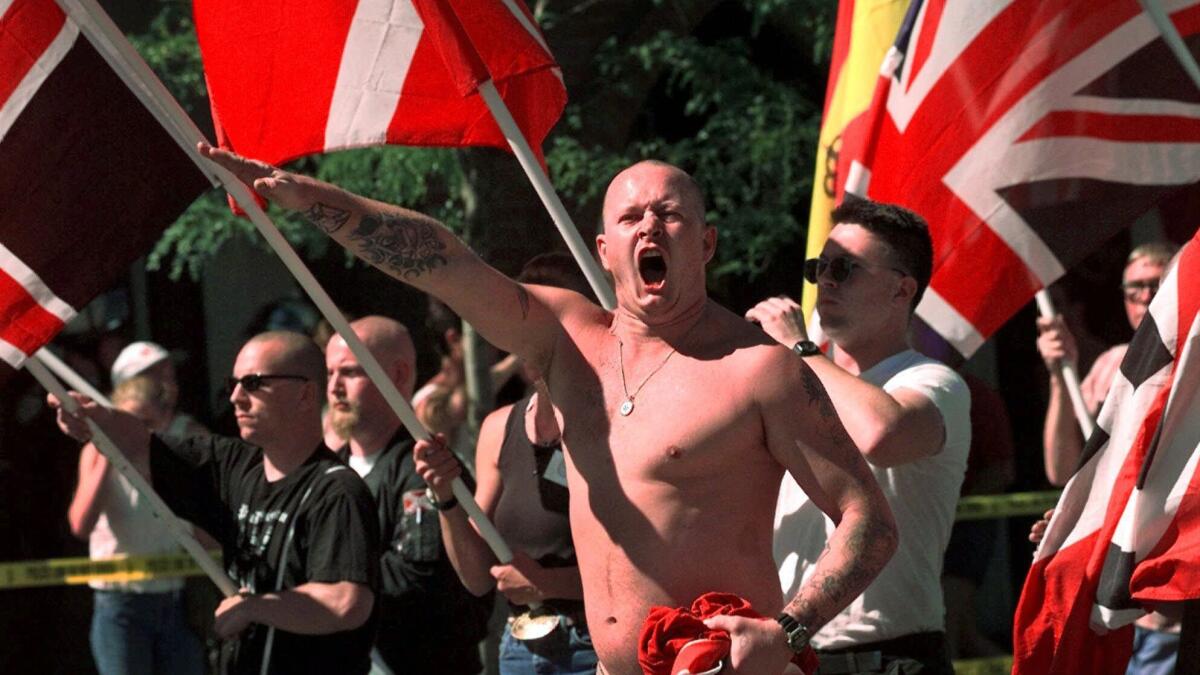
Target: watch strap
column 807, row 348
column 439, row 505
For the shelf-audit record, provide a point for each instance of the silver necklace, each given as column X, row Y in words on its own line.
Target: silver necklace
column 627, row 404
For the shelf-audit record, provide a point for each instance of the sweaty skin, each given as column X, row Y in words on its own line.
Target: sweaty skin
column 676, row 499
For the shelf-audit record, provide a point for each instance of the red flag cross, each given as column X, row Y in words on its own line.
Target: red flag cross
column 287, row 79
column 88, row 177
column 1027, row 132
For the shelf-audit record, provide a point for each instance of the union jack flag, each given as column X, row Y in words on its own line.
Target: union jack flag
column 1126, row 530
column 1027, row 132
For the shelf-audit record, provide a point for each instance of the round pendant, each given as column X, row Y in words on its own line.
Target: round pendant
column 626, row 407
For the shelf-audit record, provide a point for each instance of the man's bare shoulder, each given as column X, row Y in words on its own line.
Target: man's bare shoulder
column 724, row 334
column 573, row 309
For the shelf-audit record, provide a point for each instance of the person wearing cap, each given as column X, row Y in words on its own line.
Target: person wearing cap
column 910, row 418
column 297, row 527
column 152, row 361
column 428, row 623
column 138, row 627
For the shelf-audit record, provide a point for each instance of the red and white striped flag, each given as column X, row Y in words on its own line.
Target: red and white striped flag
column 1027, row 133
column 1126, row 530
column 88, row 178
column 310, row 76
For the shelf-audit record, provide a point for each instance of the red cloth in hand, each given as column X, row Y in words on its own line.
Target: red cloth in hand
column 667, row 630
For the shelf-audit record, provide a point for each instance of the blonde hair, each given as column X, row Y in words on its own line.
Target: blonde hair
column 1156, row 252
column 142, row 389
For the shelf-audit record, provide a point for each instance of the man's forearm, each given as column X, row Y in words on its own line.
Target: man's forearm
column 315, row 608
column 1061, row 439
column 861, row 545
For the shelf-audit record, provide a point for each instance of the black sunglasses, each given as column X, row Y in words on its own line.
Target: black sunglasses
column 254, row 381
column 840, row 268
column 1133, row 289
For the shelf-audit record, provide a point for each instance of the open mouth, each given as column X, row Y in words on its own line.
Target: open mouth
column 652, row 267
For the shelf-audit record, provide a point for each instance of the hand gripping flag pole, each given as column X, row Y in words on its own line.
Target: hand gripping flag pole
column 151, row 91
column 1070, row 376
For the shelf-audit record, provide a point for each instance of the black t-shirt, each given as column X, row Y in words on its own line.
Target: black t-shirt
column 219, row 484
column 429, row 623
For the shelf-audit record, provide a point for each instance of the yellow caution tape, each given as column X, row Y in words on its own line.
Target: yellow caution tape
column 979, row 507
column 73, row 571
column 997, row 665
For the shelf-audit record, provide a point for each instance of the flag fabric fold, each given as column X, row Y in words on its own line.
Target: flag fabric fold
column 1028, row 133
column 1126, row 531
column 288, row 79
column 88, row 177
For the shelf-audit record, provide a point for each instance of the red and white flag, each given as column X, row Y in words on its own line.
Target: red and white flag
column 1126, row 531
column 310, row 76
column 88, row 177
column 1028, row 133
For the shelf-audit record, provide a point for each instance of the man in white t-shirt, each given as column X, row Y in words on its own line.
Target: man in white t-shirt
column 909, row 416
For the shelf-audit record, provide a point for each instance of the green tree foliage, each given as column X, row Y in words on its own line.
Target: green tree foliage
column 716, row 107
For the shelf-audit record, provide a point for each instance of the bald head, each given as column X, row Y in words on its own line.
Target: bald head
column 389, row 342
column 687, row 186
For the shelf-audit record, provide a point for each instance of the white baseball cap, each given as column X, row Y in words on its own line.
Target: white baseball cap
column 136, row 358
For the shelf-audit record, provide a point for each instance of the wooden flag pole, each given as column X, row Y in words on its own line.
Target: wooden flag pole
column 1070, row 376
column 541, row 184
column 105, row 445
column 122, row 57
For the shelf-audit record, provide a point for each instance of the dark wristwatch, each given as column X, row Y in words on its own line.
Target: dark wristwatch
column 806, row 348
column 440, row 506
column 797, row 635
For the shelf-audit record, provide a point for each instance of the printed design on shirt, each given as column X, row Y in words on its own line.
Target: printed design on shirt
column 255, row 530
column 422, row 531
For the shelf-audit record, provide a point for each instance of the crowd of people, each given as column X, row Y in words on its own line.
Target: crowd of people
column 627, row 481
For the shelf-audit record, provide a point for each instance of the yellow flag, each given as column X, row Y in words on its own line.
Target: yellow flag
column 865, row 30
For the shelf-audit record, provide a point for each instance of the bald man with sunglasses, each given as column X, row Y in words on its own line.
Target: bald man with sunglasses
column 909, row 417
column 297, row 527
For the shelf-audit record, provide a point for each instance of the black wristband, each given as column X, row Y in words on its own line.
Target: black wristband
column 440, row 506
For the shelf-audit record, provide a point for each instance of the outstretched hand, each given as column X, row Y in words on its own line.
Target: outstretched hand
column 437, row 466
column 286, row 189
column 128, row 432
column 781, row 318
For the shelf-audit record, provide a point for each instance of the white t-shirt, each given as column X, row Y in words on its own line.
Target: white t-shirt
column 127, row 525
column 906, row 597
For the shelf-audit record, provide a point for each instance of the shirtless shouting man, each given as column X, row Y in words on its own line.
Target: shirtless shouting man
column 679, row 418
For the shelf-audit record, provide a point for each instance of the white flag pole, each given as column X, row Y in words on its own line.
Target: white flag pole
column 1070, row 376
column 129, row 65
column 105, row 445
column 541, row 183
column 1171, row 37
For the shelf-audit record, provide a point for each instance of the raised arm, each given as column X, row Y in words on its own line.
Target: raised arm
column 1062, row 441
column 415, row 249
column 468, row 552
column 85, row 505
column 889, row 428
column 806, row 436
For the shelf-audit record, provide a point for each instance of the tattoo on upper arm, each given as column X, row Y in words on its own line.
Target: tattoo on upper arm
column 523, row 298
column 406, row 246
column 329, row 218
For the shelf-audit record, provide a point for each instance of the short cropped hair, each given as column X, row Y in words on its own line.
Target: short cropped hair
column 301, row 355
column 905, row 232
column 1155, row 252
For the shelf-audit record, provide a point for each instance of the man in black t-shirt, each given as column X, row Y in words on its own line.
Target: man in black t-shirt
column 297, row 528
column 429, row 623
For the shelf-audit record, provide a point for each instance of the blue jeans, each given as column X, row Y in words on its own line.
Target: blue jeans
column 143, row 634
column 1154, row 652
column 566, row 651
